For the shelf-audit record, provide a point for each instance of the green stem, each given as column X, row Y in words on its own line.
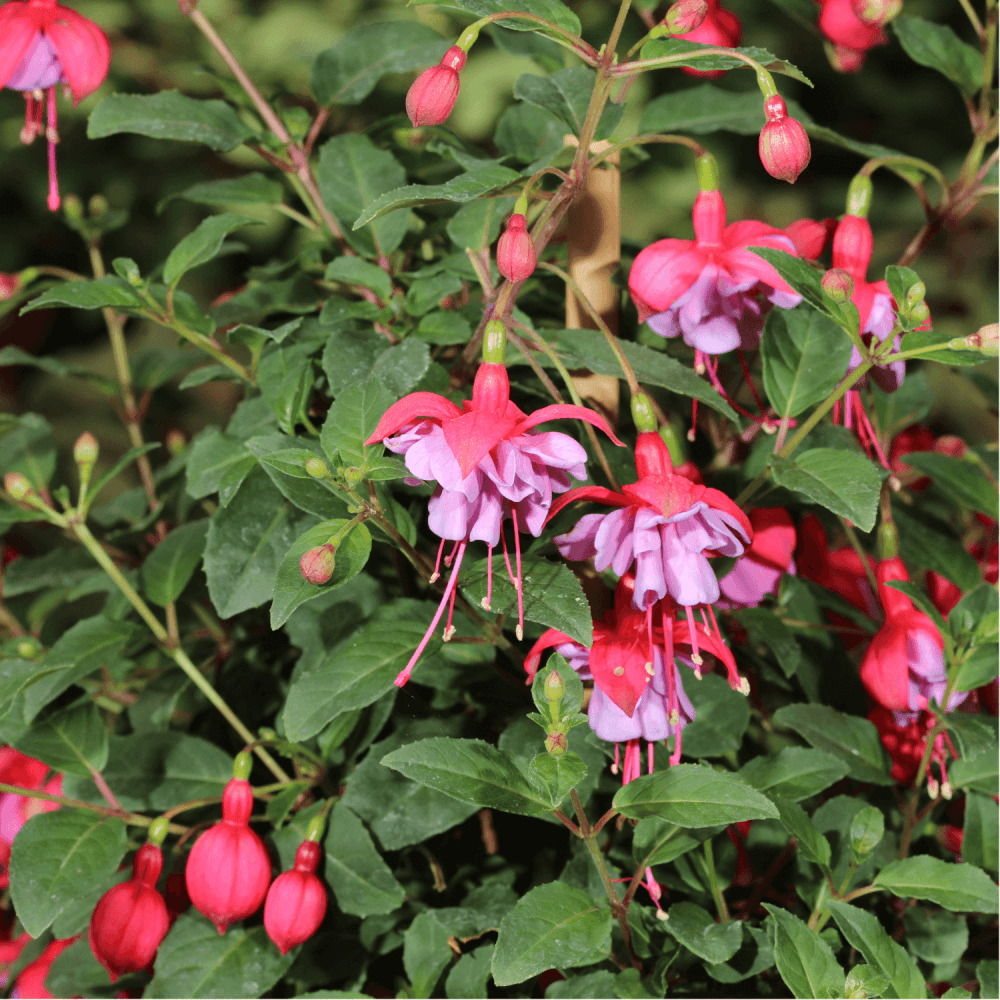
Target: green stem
column 648, row 137
column 176, row 653
column 616, row 31
column 642, row 65
column 928, row 168
column 713, row 881
column 584, row 50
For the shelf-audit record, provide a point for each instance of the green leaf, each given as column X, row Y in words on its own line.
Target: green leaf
column 552, row 595
column 552, row 10
column 426, row 293
column 805, row 355
column 73, row 740
column 15, row 676
column 691, row 795
column 975, row 617
column 804, row 959
column 471, row 771
column 567, row 94
column 217, row 463
column 588, row 349
column 398, row 811
column 848, row 737
column 986, row 973
column 978, row 773
column 921, row 544
column 58, row 857
column 697, row 930
column 705, row 109
column 867, row 831
column 352, row 419
column 558, row 774
column 444, row 328
column 766, row 627
column 938, row 47
column 461, row 189
column 360, row 879
column 169, row 115
column 552, row 925
column 721, row 718
column 659, row 48
column 844, row 482
column 796, row 821
column 202, row 245
column 400, row 368
column 76, row 972
column 963, row 482
column 188, row 768
column 425, row 953
column 285, row 376
column 349, row 356
column 355, row 175
column 347, row 73
column 195, row 960
column 471, row 974
column 864, row 932
column 102, row 292
column 354, row 673
column 250, row 189
column 865, row 981
column 356, row 271
column 246, row 542
column 475, row 226
column 170, row 566
column 29, row 448
column 979, row 841
column 794, row 773
column 978, row 668
column 922, row 340
column 958, row 887
column 54, row 366
column 283, row 457
column 528, row 134
column 656, row 842
column 291, row 590
column 939, row 936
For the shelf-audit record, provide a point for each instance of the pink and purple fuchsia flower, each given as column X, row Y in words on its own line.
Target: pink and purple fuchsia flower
column 489, row 466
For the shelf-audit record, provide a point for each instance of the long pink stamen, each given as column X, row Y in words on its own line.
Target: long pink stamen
column 836, row 412
column 675, row 757
column 489, row 578
column 437, row 564
column 518, row 583
column 863, row 417
column 506, row 558
column 695, row 655
column 53, row 136
column 451, row 555
column 404, row 674
column 615, row 768
column 746, row 373
column 449, row 629
column 848, row 416
column 694, row 420
column 699, row 362
column 28, row 132
column 714, row 379
column 650, row 756
column 633, row 762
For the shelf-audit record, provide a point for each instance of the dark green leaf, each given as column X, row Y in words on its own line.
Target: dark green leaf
column 810, row 841
column 978, row 773
column 961, row 480
column 690, row 795
column 351, row 420
column 655, row 842
column 58, row 857
column 804, row 959
column 349, row 356
column 73, row 740
column 551, row 10
column 529, row 134
column 978, row 668
column 469, row 977
column 922, row 545
column 102, row 292
column 400, row 368
column 285, row 376
column 188, row 768
column 660, row 48
column 202, row 245
column 935, row 936
column 979, row 840
column 697, row 930
column 721, row 717
column 445, row 328
column 471, row 771
column 169, row 115
column 986, row 973
column 29, row 448
column 477, row 224
column 347, row 73
column 794, row 772
column 425, row 953
column 567, row 94
column 76, row 972
column 250, row 189
column 552, row 925
column 283, row 458
column 195, row 960
column 849, row 737
column 974, row 618
column 957, row 887
column 356, row 271
column 937, row 46
column 170, row 566
column 806, row 280
column 766, row 627
column 867, row 831
column 217, row 463
column 426, row 293
column 290, row 588
column 354, row 176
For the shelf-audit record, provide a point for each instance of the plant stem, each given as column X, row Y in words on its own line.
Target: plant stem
column 175, row 652
column 649, row 137
column 713, row 881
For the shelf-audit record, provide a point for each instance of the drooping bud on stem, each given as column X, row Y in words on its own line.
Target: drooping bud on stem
column 516, row 250
column 643, row 413
column 838, row 284
column 242, row 765
column 432, row 96
column 176, row 442
column 317, row 564
column 783, row 146
column 684, row 16
column 859, row 196
column 888, row 541
column 876, row 13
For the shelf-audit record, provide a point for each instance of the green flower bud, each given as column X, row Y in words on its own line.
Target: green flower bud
column 554, row 687
column 85, row 451
column 242, row 764
column 17, row 486
column 556, row 744
column 317, row 468
column 158, row 830
column 837, row 284
column 643, row 413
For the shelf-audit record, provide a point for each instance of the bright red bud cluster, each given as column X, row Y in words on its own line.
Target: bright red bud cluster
column 516, row 251
column 296, row 901
column 784, row 146
column 432, row 95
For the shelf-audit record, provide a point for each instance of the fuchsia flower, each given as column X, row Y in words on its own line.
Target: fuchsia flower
column 810, row 236
column 851, row 37
column 769, row 557
column 719, row 27
column 43, row 43
column 296, row 902
column 516, row 251
column 711, row 290
column 432, row 96
column 784, row 145
column 488, row 466
column 15, row 810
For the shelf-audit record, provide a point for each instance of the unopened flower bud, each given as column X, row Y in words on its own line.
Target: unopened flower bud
column 556, row 744
column 838, row 284
column 985, row 339
column 554, row 687
column 431, row 97
column 317, row 564
column 876, row 13
column 317, row 468
column 684, row 16
column 176, row 442
column 916, row 293
column 9, row 284
column 296, row 902
column 919, row 313
column 516, row 251
column 98, row 206
column 73, row 207
column 353, row 475
column 843, row 58
column 783, row 146
column 17, row 485
column 85, row 450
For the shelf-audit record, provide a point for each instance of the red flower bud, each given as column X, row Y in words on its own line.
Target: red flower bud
column 432, row 95
column 784, row 145
column 838, row 284
column 131, row 919
column 9, row 284
column 685, row 15
column 178, row 900
column 317, row 565
column 228, row 870
column 516, row 251
column 296, row 902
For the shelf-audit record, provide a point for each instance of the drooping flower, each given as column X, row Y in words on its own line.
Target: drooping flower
column 432, row 96
column 43, row 43
column 228, row 870
column 31, row 981
column 769, row 557
column 719, row 27
column 489, row 466
column 15, row 810
column 904, row 736
column 784, row 145
column 131, row 919
column 711, row 290
column 296, row 902
column 810, row 237
column 516, row 251
column 851, row 38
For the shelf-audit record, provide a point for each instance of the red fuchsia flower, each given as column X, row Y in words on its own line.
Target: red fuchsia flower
column 711, row 290
column 516, row 251
column 720, row 28
column 10, row 951
column 43, row 43
column 131, row 919
column 810, row 237
column 769, row 557
column 432, row 96
column 917, row 437
column 9, row 283
column 488, row 466
column 851, row 37
column 228, row 870
column 950, row 837
column 296, row 901
column 16, row 810
column 784, row 145
column 176, row 896
column 904, row 736
column 31, row 982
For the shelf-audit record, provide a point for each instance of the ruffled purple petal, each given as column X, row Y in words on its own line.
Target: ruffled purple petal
column 39, row 69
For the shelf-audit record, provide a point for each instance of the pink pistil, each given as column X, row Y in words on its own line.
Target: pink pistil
column 437, row 564
column 866, row 423
column 489, row 578
column 615, row 766
column 518, row 582
column 695, row 655
column 52, row 135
